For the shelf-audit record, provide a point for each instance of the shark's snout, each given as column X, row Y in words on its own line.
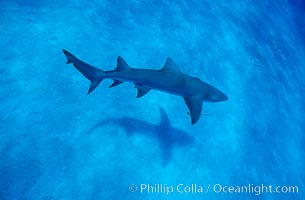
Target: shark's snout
column 225, row 97
column 218, row 96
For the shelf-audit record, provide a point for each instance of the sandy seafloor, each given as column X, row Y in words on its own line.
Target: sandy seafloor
column 56, row 142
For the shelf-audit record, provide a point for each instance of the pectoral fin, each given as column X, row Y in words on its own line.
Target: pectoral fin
column 195, row 107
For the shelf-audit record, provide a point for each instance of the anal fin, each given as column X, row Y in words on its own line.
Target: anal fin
column 93, row 85
column 115, row 83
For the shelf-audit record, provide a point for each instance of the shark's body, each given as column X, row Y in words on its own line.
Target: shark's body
column 168, row 79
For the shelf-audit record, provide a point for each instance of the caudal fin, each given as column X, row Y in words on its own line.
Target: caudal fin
column 93, row 74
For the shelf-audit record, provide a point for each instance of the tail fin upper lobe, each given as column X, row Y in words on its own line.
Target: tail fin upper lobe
column 93, row 74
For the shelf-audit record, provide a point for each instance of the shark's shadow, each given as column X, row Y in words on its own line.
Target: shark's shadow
column 167, row 136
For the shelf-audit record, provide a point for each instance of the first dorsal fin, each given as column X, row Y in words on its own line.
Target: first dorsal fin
column 170, row 66
column 121, row 64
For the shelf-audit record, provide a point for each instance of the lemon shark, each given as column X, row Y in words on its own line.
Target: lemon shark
column 169, row 79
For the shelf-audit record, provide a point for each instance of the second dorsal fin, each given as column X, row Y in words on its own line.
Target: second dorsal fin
column 121, row 65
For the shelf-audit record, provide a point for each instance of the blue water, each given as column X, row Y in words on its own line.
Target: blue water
column 58, row 143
